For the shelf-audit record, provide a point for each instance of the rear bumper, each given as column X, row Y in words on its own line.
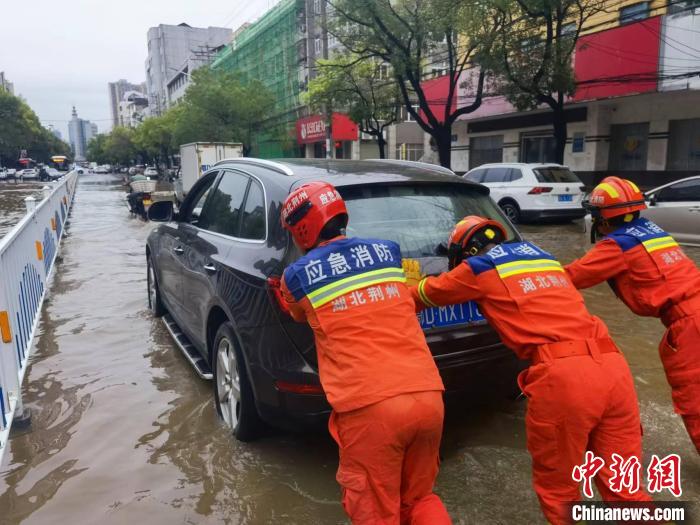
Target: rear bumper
column 481, row 374
column 552, row 214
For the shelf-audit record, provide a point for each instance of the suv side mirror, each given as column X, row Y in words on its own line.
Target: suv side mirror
column 652, row 199
column 161, row 211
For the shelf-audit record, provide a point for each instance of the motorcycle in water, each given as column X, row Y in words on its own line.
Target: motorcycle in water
column 139, row 196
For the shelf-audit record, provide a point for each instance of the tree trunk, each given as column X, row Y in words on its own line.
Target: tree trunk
column 443, row 141
column 381, row 143
column 560, row 133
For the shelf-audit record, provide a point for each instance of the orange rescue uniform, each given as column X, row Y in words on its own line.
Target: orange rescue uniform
column 378, row 375
column 652, row 275
column 580, row 390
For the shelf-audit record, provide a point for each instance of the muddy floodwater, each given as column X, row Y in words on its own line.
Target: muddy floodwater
column 124, row 432
column 12, row 206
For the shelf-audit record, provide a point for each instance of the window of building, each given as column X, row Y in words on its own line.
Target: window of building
column 483, row 150
column 409, row 151
column 405, row 115
column 253, row 217
column 569, row 29
column 628, row 146
column 222, row 209
column 317, row 7
column 683, row 145
column 634, row 12
column 537, row 148
column 578, row 143
column 318, row 46
column 383, row 71
column 676, row 6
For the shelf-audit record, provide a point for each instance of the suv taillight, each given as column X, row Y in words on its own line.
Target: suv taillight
column 539, row 189
column 274, row 284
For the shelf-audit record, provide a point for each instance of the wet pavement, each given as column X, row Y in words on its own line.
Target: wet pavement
column 12, row 207
column 125, row 432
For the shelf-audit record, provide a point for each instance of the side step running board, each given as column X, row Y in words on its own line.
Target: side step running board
column 188, row 350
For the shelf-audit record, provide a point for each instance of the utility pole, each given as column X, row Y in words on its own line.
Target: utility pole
column 330, row 145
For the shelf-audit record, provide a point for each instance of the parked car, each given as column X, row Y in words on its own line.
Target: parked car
column 28, row 173
column 11, row 173
column 214, row 267
column 150, row 172
column 54, row 174
column 3, row 173
column 532, row 192
column 676, row 208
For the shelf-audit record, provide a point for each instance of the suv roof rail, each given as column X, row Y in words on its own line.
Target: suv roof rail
column 416, row 164
column 281, row 168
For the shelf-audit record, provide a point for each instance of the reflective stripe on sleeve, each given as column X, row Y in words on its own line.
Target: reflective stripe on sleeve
column 423, row 296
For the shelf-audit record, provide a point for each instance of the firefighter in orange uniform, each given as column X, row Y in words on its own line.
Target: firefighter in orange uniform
column 374, row 363
column 580, row 390
column 650, row 273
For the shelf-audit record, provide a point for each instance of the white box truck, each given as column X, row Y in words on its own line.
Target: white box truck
column 198, row 157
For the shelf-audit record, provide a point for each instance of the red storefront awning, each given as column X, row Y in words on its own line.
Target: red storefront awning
column 313, row 129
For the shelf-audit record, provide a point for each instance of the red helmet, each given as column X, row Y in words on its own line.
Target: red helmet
column 470, row 235
column 308, row 209
column 614, row 197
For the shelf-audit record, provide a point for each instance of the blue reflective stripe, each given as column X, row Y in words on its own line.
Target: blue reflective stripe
column 480, row 264
column 2, row 408
column 340, row 260
column 508, row 253
column 635, row 233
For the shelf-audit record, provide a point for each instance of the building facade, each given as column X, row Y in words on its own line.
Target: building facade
column 635, row 113
column 116, row 91
column 80, row 132
column 132, row 109
column 6, row 84
column 169, row 49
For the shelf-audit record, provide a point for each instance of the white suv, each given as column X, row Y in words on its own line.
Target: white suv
column 530, row 192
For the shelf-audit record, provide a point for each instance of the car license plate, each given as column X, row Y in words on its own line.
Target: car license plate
column 444, row 316
column 566, row 198
column 147, row 202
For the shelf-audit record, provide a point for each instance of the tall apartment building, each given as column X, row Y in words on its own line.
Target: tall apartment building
column 80, row 131
column 169, row 49
column 117, row 90
column 6, row 84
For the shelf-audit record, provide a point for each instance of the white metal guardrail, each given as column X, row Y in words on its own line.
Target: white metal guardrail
column 27, row 255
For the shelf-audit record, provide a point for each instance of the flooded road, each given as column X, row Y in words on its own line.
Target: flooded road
column 125, row 432
column 12, row 207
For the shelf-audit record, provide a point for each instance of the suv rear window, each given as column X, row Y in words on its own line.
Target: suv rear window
column 418, row 217
column 555, row 175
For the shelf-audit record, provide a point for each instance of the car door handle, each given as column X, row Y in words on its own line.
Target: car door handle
column 179, row 250
column 210, row 268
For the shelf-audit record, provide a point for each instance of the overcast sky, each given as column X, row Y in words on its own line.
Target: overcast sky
column 64, row 52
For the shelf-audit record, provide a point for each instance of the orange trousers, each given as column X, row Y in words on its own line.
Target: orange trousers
column 389, row 458
column 680, row 355
column 577, row 404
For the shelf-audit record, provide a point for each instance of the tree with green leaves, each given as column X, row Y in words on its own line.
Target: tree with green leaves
column 20, row 129
column 360, row 88
column 533, row 51
column 415, row 37
column 219, row 107
column 156, row 136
